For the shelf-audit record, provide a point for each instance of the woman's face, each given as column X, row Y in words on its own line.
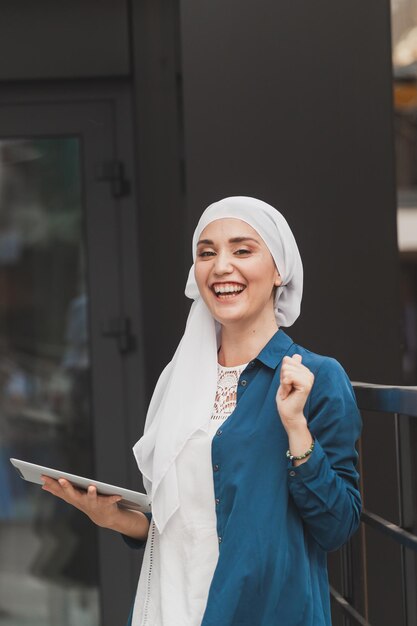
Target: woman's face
column 235, row 272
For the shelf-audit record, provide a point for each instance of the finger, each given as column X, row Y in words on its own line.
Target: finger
column 293, row 363
column 290, row 370
column 54, row 488
column 68, row 490
column 114, row 499
column 297, row 381
column 285, row 382
column 45, row 481
column 51, row 485
column 287, row 379
column 297, row 369
column 284, row 390
column 48, row 480
column 289, row 376
column 294, row 367
column 295, row 358
column 288, row 366
column 91, row 497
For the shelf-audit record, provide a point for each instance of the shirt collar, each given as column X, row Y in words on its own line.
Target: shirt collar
column 275, row 349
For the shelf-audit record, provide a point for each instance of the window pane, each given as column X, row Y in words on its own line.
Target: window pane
column 48, row 551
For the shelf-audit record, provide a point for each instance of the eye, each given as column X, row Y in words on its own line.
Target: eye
column 205, row 253
column 242, row 251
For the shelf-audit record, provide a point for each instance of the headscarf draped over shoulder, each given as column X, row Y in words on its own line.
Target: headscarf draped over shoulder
column 184, row 395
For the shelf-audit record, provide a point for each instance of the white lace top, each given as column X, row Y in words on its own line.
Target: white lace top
column 178, row 565
column 225, row 402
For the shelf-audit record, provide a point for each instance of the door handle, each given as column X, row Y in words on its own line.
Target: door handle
column 119, row 328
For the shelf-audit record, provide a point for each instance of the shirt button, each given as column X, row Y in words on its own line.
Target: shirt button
column 216, row 468
column 292, row 473
column 243, row 383
column 220, row 539
column 217, row 500
column 219, row 432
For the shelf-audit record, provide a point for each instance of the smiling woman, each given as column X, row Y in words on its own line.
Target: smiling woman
column 248, row 453
column 249, row 445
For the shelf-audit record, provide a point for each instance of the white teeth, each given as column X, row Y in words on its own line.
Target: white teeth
column 228, row 289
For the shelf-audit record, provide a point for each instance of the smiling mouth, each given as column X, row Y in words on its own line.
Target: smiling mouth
column 227, row 292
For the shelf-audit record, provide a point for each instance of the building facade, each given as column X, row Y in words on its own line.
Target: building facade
column 119, row 122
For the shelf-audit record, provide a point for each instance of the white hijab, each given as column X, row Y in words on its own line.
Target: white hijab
column 184, row 395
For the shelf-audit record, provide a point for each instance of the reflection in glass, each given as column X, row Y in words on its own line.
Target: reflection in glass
column 48, row 551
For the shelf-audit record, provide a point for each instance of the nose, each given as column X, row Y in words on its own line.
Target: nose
column 222, row 264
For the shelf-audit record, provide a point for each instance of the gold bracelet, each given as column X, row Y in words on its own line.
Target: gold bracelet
column 302, row 456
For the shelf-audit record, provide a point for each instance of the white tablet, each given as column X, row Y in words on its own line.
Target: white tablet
column 132, row 500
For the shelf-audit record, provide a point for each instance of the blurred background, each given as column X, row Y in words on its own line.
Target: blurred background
column 120, row 121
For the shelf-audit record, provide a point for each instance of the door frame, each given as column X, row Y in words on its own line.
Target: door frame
column 114, row 462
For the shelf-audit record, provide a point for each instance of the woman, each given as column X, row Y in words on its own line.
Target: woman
column 249, row 444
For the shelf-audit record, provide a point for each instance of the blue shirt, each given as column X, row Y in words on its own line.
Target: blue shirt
column 275, row 522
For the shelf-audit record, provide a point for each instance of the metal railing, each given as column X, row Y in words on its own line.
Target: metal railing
column 400, row 401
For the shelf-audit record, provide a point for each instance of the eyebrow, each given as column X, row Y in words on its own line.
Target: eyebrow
column 209, row 242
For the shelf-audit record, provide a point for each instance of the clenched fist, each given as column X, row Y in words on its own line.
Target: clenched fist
column 296, row 381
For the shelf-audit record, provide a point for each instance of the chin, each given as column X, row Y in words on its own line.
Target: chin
column 232, row 318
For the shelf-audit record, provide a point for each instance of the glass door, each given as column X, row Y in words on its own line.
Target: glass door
column 48, row 553
column 62, row 380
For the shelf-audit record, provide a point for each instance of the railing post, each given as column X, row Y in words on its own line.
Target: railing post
column 346, row 577
column 406, row 515
column 402, row 403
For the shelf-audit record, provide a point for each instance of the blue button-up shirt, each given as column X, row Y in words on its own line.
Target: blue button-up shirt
column 275, row 521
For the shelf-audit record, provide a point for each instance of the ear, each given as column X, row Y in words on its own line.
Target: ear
column 277, row 278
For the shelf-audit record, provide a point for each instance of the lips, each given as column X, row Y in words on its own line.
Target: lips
column 227, row 290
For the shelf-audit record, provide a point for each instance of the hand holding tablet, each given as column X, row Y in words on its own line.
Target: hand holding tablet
column 132, row 500
column 106, row 505
column 102, row 510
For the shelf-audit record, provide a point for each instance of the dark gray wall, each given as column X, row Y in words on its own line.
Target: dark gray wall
column 277, row 104
column 291, row 102
column 64, row 39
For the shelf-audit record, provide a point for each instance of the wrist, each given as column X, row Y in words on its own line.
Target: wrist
column 299, row 439
column 296, row 426
column 301, row 458
column 131, row 523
